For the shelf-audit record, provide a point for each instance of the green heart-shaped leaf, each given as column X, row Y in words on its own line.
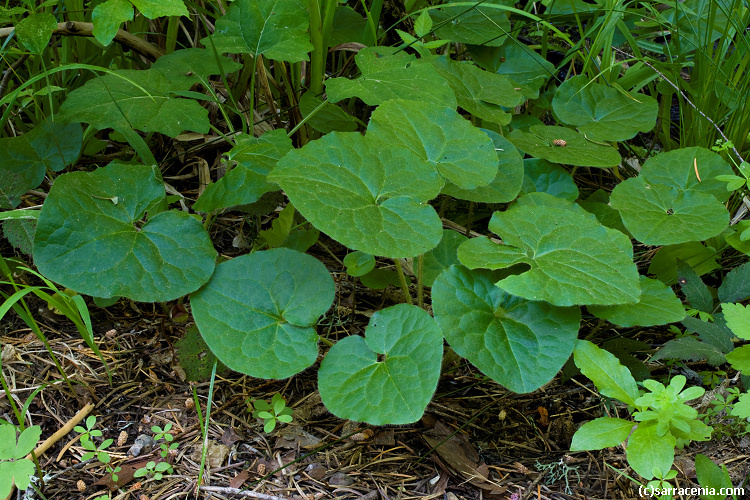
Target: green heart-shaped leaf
column 276, row 29
column 518, row 343
column 362, row 194
column 563, row 145
column 574, row 260
column 90, row 237
column 357, row 386
column 258, row 311
column 460, row 152
column 246, row 182
column 676, row 199
column 601, row 112
column 506, row 184
column 658, row 305
column 388, row 76
column 660, row 215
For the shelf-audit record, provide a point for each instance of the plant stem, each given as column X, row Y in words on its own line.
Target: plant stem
column 317, row 57
column 402, row 280
column 420, row 283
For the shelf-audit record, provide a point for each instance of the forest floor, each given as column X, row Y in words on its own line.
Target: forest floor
column 476, row 439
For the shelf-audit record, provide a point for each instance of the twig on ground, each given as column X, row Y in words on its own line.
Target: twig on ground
column 74, row 28
column 242, row 493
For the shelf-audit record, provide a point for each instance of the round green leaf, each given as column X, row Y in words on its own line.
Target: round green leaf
column 258, row 311
column 460, row 152
column 442, row 256
column 676, row 198
column 658, row 305
column 519, row 343
column 540, row 142
column 689, row 169
column 359, row 263
column 35, row 31
column 388, row 76
column 91, row 237
column 357, row 386
column 601, row 112
column 574, row 260
column 541, row 176
column 506, row 184
column 656, row 214
column 363, row 194
column 276, row 29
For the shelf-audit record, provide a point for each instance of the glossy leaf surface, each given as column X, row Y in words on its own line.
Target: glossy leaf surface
column 91, row 237
column 355, row 384
column 518, row 343
column 258, row 311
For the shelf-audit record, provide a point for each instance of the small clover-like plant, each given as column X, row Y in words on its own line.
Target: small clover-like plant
column 89, row 432
column 664, row 418
column 14, row 467
column 166, row 435
column 271, row 413
column 155, row 470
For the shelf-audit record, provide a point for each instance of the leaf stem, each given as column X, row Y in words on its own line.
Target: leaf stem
column 402, row 280
column 420, row 283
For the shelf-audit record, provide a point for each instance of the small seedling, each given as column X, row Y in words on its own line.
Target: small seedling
column 93, row 450
column 273, row 412
column 155, row 470
column 164, row 433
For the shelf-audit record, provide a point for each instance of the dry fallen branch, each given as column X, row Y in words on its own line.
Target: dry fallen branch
column 73, row 28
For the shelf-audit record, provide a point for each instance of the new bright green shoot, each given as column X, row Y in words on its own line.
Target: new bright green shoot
column 271, row 413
